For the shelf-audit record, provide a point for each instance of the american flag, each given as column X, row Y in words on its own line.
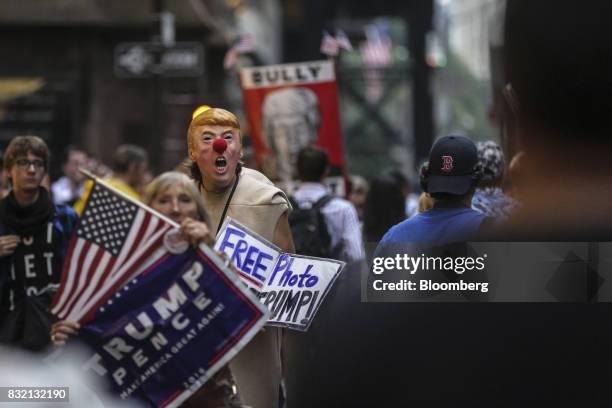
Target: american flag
column 329, row 45
column 116, row 237
column 244, row 44
column 343, row 41
column 376, row 50
column 376, row 55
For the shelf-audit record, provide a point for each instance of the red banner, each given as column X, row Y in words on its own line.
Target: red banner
column 291, row 106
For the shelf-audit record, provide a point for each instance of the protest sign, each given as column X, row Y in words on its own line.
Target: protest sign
column 296, row 289
column 293, row 287
column 160, row 316
column 291, row 106
column 252, row 255
column 166, row 332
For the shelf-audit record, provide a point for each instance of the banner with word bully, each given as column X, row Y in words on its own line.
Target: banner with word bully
column 291, row 106
column 159, row 329
column 293, row 287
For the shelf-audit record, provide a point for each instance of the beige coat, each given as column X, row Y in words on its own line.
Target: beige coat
column 258, row 204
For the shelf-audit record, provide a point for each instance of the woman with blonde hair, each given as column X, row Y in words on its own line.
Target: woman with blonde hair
column 174, row 195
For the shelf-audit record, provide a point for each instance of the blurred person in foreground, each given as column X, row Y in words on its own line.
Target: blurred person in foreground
column 558, row 87
column 489, row 198
column 20, row 369
column 130, row 165
column 516, row 177
column 68, row 188
column 557, row 95
column 34, row 237
column 228, row 189
column 559, row 58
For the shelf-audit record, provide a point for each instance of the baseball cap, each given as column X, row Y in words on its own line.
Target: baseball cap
column 452, row 160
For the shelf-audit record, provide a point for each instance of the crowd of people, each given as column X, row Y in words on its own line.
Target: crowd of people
column 465, row 191
column 37, row 220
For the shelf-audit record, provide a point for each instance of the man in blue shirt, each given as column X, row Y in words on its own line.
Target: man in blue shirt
column 450, row 178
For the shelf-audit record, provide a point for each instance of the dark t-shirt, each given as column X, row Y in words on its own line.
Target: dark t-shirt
column 29, row 279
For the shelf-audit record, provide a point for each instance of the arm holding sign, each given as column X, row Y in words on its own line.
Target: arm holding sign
column 196, row 231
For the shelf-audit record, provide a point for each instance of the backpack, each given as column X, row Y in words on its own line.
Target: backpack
column 309, row 229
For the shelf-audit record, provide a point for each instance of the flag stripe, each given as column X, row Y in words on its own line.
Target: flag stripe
column 144, row 246
column 93, row 256
column 245, row 44
column 80, row 259
column 152, row 227
column 60, row 294
column 154, row 256
column 72, row 268
column 376, row 53
column 94, row 283
column 134, row 232
column 142, row 252
column 140, row 244
column 95, row 287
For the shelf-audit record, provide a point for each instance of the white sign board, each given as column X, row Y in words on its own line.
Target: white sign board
column 291, row 286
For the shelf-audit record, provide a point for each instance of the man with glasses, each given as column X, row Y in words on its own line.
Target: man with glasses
column 34, row 236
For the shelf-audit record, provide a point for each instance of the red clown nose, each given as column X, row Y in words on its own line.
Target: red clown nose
column 219, row 145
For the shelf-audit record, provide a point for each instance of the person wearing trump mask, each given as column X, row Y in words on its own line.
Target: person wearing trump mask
column 247, row 196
